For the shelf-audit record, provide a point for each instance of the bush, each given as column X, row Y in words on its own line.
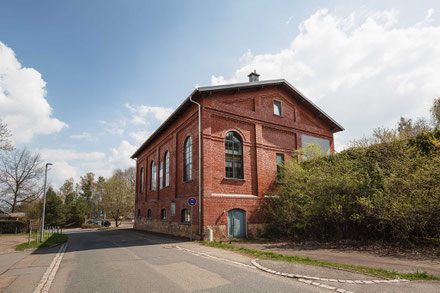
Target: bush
column 388, row 191
column 8, row 227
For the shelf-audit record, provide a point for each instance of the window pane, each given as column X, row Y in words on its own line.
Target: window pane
column 167, row 169
column 277, row 108
column 322, row 145
column 233, row 156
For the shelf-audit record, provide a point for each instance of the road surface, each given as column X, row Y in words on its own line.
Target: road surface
column 129, row 261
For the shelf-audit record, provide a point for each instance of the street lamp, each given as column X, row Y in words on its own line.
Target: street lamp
column 44, row 202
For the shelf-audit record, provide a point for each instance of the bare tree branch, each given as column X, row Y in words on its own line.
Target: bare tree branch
column 5, row 134
column 20, row 173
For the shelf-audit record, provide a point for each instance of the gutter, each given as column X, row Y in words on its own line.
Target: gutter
column 200, row 166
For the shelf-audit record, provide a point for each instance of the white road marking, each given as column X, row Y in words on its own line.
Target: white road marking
column 49, row 275
column 214, row 257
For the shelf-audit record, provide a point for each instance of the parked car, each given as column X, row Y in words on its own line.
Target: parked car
column 94, row 222
column 105, row 223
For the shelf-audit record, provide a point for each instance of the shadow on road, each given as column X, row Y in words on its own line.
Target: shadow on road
column 80, row 240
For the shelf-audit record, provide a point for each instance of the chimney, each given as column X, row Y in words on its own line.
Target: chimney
column 253, row 76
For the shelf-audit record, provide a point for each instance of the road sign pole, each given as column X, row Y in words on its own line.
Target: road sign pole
column 191, row 225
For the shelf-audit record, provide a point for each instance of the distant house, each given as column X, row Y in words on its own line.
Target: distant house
column 247, row 131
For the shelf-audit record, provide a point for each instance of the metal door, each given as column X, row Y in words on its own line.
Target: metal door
column 236, row 223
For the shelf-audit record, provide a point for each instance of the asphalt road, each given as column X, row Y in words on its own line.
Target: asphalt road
column 129, row 261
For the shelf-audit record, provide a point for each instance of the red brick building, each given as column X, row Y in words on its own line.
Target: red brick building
column 246, row 130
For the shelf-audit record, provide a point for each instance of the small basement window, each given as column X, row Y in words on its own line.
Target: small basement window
column 149, row 214
column 163, row 214
column 185, row 216
column 277, row 108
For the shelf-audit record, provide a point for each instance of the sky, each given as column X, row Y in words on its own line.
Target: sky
column 84, row 83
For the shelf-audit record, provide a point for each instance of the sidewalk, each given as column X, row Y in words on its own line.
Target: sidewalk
column 350, row 257
column 327, row 278
column 351, row 282
column 21, row 271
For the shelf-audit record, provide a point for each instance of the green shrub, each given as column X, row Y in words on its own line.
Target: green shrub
column 8, row 226
column 388, row 191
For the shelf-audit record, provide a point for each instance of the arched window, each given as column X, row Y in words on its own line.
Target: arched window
column 153, row 177
column 167, row 169
column 233, row 155
column 161, row 175
column 139, row 213
column 141, row 179
column 187, row 159
column 149, row 215
column 185, row 216
column 163, row 214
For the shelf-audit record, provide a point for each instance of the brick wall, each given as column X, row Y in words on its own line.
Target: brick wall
column 250, row 114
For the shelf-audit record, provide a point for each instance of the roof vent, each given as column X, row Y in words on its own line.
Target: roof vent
column 253, row 76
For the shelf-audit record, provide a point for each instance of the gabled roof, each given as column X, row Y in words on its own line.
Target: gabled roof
column 336, row 127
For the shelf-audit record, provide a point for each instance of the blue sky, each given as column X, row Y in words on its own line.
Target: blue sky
column 94, row 62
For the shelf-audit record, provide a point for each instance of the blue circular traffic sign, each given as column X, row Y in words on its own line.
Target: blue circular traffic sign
column 192, row 201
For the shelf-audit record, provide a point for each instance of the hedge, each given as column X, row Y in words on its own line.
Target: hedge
column 8, row 226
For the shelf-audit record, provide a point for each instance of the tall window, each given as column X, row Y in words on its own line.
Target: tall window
column 141, row 178
column 167, row 169
column 187, row 159
column 277, row 108
column 153, row 177
column 161, row 175
column 233, row 156
column 185, row 217
column 280, row 161
column 163, row 214
column 149, row 214
column 139, row 213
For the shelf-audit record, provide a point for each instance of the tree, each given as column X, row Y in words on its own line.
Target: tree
column 55, row 214
column 67, row 191
column 406, row 128
column 118, row 196
column 87, row 190
column 5, row 134
column 435, row 112
column 20, row 172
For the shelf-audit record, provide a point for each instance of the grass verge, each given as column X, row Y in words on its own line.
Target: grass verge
column 52, row 240
column 419, row 275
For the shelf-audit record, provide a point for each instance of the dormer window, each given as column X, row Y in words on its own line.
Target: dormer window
column 277, row 108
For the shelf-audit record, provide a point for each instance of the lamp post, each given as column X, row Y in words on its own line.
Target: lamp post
column 44, row 202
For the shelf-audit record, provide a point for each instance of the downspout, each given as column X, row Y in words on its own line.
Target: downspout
column 200, row 166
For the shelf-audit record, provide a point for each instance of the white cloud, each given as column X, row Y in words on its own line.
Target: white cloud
column 140, row 136
column 116, row 128
column 364, row 71
column 84, row 135
column 141, row 113
column 23, row 105
column 69, row 163
column 120, row 156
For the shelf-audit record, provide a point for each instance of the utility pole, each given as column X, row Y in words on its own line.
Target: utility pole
column 44, row 202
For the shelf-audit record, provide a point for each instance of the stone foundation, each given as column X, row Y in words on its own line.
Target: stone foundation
column 183, row 230
column 221, row 231
column 172, row 228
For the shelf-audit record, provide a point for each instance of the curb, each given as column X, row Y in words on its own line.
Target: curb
column 312, row 280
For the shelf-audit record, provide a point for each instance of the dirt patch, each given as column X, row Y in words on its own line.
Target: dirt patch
column 8, row 243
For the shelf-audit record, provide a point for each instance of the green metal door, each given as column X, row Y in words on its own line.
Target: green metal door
column 236, row 223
